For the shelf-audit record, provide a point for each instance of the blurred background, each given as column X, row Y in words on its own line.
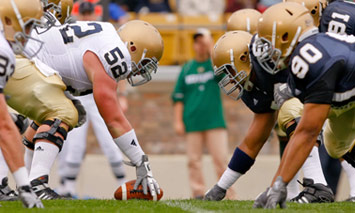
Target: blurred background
column 150, row 109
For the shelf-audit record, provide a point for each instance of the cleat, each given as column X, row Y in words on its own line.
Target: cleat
column 29, row 198
column 216, row 193
column 69, row 196
column 6, row 193
column 314, row 193
column 350, row 199
column 42, row 190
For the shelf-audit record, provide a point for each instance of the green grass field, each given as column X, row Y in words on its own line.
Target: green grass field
column 135, row 206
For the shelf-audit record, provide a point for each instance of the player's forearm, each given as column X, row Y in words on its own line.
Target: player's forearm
column 109, row 108
column 10, row 140
column 122, row 88
column 258, row 133
column 296, row 153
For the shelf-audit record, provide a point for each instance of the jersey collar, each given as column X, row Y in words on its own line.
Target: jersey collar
column 308, row 33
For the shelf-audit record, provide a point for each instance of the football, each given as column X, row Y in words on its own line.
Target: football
column 126, row 192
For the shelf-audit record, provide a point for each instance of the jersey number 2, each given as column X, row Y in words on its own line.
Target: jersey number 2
column 78, row 32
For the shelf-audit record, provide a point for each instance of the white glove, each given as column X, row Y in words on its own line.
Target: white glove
column 29, row 198
column 79, row 107
column 145, row 178
column 282, row 93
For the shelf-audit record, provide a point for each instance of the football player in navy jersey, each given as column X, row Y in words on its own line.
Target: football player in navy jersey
column 256, row 88
column 321, row 75
column 338, row 17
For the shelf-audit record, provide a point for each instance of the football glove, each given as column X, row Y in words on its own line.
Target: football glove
column 21, row 122
column 29, row 198
column 261, row 199
column 277, row 194
column 216, row 193
column 281, row 94
column 81, row 112
column 79, row 107
column 145, row 177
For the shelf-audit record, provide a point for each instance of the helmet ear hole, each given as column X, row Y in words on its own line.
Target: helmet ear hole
column 285, row 37
column 244, row 57
column 8, row 21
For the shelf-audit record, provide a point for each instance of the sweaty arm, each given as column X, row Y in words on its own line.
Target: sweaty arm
column 10, row 139
column 303, row 140
column 316, row 108
column 104, row 89
column 258, row 133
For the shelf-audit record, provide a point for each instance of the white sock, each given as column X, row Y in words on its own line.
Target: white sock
column 21, row 177
column 69, row 186
column 120, row 181
column 118, row 169
column 4, row 169
column 28, row 158
column 293, row 188
column 312, row 167
column 350, row 173
column 43, row 159
column 128, row 144
column 228, row 178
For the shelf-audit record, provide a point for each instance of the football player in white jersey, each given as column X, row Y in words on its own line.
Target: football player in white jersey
column 91, row 57
column 16, row 22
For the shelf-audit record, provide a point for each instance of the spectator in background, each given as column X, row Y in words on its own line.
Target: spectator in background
column 118, row 16
column 153, row 6
column 264, row 4
column 72, row 155
column 127, row 5
column 234, row 5
column 199, row 113
column 87, row 12
column 197, row 7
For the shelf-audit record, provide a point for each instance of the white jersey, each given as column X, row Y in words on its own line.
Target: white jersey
column 7, row 61
column 64, row 48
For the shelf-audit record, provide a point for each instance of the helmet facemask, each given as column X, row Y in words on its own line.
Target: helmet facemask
column 22, row 37
column 232, row 83
column 270, row 58
column 141, row 71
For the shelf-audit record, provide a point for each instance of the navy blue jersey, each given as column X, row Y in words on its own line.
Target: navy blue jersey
column 323, row 69
column 338, row 17
column 260, row 98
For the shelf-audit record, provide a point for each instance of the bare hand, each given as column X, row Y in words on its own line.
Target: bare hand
column 179, row 128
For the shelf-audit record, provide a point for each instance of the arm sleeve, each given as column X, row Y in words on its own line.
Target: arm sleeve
column 178, row 94
column 323, row 90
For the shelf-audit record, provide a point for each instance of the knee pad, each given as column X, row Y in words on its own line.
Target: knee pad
column 28, row 143
column 34, row 126
column 291, row 129
column 49, row 135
